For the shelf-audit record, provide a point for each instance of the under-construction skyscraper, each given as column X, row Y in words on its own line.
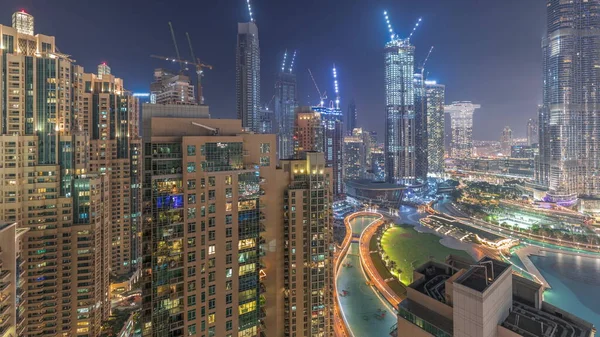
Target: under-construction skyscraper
column 285, row 104
column 247, row 76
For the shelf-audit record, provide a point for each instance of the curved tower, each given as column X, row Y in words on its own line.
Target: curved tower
column 570, row 115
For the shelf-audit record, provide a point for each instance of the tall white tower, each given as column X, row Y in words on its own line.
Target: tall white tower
column 461, row 122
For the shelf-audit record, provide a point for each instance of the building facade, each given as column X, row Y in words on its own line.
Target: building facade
column 204, row 214
column 435, row 127
column 47, row 128
column 354, row 157
column 285, row 105
column 308, row 132
column 421, row 136
column 506, row 141
column 461, row 124
column 400, row 137
column 110, row 116
column 12, row 281
column 308, row 247
column 333, row 144
column 247, row 75
column 569, row 117
column 170, row 88
column 351, row 117
column 532, row 132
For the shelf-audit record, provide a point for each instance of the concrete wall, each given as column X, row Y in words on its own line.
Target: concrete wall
column 407, row 329
column 504, row 332
column 430, row 303
column 477, row 314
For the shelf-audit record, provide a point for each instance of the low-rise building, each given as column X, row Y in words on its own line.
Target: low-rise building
column 461, row 299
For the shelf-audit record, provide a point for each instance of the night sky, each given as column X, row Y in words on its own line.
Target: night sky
column 485, row 51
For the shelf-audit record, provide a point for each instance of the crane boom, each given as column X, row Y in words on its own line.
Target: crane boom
column 427, row 58
column 199, row 65
column 176, row 47
column 415, row 28
column 321, row 96
column 199, row 71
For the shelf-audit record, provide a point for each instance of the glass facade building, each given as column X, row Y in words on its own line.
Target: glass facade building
column 401, row 137
column 461, row 124
column 569, row 119
column 247, row 76
column 435, row 127
column 285, row 105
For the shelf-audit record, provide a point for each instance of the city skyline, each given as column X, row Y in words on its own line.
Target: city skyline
column 216, row 46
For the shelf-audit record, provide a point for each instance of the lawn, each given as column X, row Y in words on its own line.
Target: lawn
column 410, row 249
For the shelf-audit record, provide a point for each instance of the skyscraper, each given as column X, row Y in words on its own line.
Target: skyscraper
column 308, row 293
column 435, row 126
column 285, row 104
column 70, row 142
column 247, row 76
column 532, row 132
column 110, row 115
column 461, row 123
column 308, row 132
column 506, row 141
column 354, row 157
column 333, row 143
column 400, row 123
column 421, row 138
column 351, row 117
column 205, row 210
column 570, row 99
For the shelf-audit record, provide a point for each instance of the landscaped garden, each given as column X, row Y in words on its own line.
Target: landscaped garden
column 405, row 249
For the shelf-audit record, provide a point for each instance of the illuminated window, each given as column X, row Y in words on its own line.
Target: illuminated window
column 211, row 318
column 228, row 180
column 211, row 250
column 246, row 308
column 228, row 206
column 191, row 167
column 228, row 272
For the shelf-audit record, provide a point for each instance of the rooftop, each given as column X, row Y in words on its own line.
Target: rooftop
column 433, row 284
column 475, row 277
column 374, row 185
column 530, row 322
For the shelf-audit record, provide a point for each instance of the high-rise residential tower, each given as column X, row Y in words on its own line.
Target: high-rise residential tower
column 285, row 104
column 351, row 117
column 435, row 127
column 70, row 150
column 506, row 141
column 461, row 124
column 110, row 116
column 204, row 210
column 570, row 117
column 400, row 135
column 247, row 76
column 354, row 157
column 308, row 131
column 333, row 143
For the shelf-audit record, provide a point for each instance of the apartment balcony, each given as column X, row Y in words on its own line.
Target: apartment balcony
column 5, row 276
column 4, row 309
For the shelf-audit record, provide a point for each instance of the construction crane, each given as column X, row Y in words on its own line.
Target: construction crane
column 198, row 66
column 414, row 28
column 322, row 96
column 337, row 92
column 199, row 70
column 176, row 47
column 427, row 58
column 389, row 26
